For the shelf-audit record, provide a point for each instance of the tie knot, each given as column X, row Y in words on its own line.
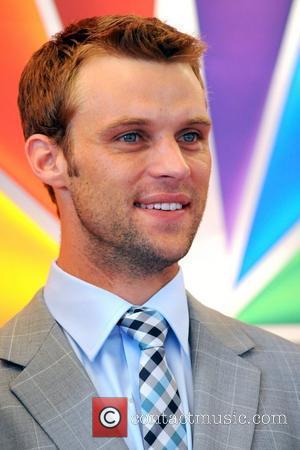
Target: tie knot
column 146, row 326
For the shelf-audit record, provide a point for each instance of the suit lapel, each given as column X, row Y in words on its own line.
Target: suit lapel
column 226, row 386
column 53, row 386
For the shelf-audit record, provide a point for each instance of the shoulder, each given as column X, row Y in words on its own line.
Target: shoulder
column 246, row 350
column 234, row 333
column 21, row 337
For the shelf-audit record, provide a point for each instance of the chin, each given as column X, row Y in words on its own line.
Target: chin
column 154, row 258
column 173, row 255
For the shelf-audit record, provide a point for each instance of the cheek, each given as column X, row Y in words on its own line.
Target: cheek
column 200, row 172
column 111, row 182
column 115, row 167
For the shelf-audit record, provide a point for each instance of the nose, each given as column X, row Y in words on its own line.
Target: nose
column 168, row 160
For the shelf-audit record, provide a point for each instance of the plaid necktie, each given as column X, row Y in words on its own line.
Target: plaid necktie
column 159, row 394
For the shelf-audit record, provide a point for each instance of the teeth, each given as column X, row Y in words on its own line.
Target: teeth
column 163, row 206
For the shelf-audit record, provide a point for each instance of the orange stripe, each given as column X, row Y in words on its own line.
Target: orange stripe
column 21, row 33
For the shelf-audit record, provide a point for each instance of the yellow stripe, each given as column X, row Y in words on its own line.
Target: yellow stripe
column 26, row 254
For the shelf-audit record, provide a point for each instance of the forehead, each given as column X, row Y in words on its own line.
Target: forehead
column 122, row 84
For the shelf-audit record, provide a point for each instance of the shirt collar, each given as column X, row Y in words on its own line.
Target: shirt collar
column 79, row 306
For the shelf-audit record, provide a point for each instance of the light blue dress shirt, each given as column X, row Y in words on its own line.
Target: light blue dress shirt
column 88, row 316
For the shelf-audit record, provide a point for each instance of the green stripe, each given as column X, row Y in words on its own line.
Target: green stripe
column 279, row 301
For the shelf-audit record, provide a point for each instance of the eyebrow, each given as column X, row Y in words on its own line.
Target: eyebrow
column 202, row 120
column 137, row 121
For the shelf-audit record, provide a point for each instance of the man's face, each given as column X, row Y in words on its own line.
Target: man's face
column 139, row 141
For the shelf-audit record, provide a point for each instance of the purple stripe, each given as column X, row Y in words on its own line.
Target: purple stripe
column 244, row 38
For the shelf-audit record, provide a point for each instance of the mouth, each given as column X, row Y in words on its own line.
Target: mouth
column 164, row 206
column 164, row 202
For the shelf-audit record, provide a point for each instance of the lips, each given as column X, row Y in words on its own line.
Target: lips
column 163, row 202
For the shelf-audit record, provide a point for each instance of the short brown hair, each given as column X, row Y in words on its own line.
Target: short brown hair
column 45, row 87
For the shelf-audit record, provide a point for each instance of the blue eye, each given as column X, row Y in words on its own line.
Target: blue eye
column 129, row 137
column 190, row 137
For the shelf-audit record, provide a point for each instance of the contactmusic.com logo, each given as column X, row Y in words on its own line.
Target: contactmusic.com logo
column 109, row 417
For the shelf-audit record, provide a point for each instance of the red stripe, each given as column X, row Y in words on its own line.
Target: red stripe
column 71, row 11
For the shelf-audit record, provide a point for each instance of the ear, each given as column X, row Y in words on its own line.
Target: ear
column 46, row 160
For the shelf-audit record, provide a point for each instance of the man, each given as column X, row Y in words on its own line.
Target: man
column 116, row 125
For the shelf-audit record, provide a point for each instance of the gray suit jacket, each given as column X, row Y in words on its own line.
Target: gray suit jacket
column 239, row 371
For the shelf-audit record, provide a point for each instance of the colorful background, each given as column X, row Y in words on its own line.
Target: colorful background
column 245, row 260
